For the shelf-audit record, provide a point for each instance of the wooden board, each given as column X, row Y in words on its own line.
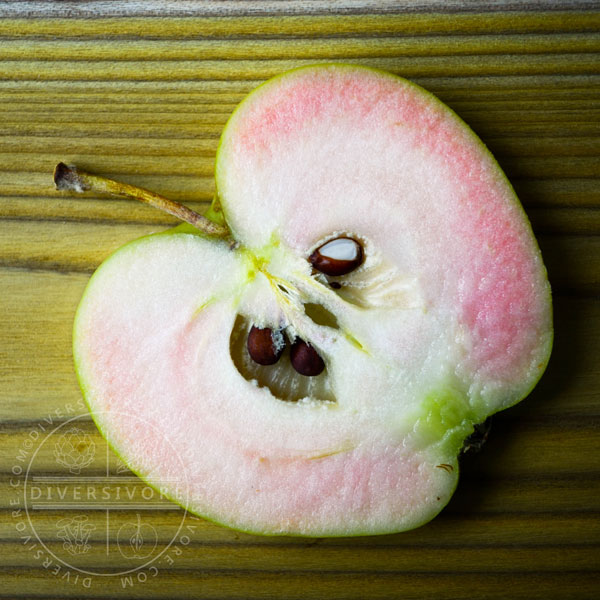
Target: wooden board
column 140, row 92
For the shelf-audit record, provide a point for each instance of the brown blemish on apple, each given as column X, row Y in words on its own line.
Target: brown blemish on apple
column 448, row 468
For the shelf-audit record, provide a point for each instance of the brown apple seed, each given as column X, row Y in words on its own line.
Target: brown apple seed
column 337, row 257
column 265, row 345
column 305, row 359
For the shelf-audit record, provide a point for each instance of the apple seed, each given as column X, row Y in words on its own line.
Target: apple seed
column 265, row 345
column 305, row 359
column 337, row 257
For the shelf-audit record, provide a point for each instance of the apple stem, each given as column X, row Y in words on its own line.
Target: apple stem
column 72, row 179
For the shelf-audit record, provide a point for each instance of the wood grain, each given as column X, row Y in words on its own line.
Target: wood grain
column 140, row 92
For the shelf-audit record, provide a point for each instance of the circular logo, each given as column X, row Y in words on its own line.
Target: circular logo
column 82, row 503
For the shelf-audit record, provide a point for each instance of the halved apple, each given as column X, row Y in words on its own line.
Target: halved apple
column 444, row 320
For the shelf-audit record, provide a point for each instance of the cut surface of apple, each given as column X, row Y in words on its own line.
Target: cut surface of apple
column 444, row 320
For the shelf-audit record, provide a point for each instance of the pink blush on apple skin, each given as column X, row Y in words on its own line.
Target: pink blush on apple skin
column 299, row 490
column 494, row 296
column 333, row 492
column 299, row 103
column 502, row 295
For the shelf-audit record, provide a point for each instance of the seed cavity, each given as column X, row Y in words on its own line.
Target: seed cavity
column 305, row 359
column 265, row 346
column 282, row 380
column 338, row 256
column 320, row 315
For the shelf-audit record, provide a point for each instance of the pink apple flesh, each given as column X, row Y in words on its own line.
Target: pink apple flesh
column 447, row 321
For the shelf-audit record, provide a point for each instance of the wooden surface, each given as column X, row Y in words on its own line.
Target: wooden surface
column 143, row 98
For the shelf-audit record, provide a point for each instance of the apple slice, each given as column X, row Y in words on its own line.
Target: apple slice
column 345, row 412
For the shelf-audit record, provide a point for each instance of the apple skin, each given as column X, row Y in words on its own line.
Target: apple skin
column 440, row 418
